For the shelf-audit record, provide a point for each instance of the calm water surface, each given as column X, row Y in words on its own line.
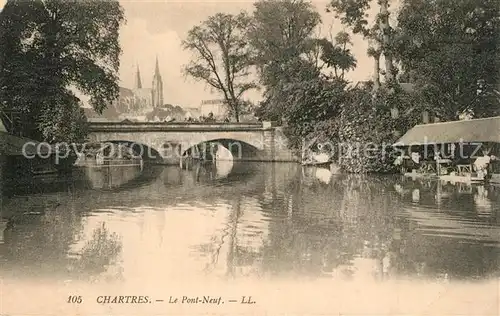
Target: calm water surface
column 253, row 221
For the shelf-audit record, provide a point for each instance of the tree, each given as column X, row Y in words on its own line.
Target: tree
column 450, row 50
column 221, row 57
column 50, row 47
column 64, row 123
column 280, row 33
column 337, row 54
column 281, row 36
column 294, row 66
column 354, row 13
column 276, row 102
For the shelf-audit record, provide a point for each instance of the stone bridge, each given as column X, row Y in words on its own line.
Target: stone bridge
column 168, row 142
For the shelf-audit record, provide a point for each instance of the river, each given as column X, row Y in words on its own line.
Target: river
column 295, row 239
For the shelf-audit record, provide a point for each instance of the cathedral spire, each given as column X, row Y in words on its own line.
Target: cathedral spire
column 157, row 86
column 157, row 67
column 138, row 83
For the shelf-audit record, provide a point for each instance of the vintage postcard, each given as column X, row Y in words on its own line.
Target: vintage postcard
column 267, row 157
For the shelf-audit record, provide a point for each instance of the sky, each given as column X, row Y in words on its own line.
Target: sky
column 157, row 28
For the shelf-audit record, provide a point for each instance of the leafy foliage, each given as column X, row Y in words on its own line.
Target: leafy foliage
column 281, row 32
column 352, row 13
column 293, row 64
column 64, row 123
column 367, row 132
column 337, row 55
column 355, row 14
column 288, row 55
column 49, row 47
column 450, row 50
column 308, row 104
column 221, row 57
column 276, row 103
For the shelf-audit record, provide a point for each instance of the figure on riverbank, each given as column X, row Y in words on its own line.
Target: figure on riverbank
column 99, row 158
column 481, row 164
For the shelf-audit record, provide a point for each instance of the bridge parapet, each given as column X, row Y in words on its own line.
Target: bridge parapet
column 175, row 126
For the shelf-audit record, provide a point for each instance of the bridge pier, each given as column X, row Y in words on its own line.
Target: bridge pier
column 276, row 145
column 195, row 153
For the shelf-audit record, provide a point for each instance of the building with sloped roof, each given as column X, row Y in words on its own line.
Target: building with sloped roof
column 483, row 130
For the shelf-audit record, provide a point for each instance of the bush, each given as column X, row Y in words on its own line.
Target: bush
column 367, row 132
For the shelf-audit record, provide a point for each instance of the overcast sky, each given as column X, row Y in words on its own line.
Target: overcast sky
column 156, row 28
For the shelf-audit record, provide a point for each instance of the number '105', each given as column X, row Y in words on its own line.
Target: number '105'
column 74, row 299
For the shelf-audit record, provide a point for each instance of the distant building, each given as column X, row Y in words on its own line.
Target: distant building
column 193, row 113
column 136, row 102
column 218, row 108
column 139, row 100
column 166, row 112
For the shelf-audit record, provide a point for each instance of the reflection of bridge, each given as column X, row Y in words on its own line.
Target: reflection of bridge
column 169, row 141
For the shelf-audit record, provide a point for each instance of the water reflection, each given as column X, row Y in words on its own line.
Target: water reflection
column 99, row 251
column 257, row 221
column 102, row 177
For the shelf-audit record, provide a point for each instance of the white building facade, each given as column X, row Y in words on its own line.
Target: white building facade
column 218, row 108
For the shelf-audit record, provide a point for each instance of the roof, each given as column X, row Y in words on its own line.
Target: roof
column 467, row 131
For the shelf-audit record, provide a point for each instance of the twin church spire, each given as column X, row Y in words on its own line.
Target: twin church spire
column 156, row 87
column 138, row 83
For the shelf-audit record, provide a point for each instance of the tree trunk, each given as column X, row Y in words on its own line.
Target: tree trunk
column 376, row 73
column 237, row 112
column 386, row 40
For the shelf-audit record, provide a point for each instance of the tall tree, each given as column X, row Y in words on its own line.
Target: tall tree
column 221, row 57
column 450, row 49
column 50, row 47
column 282, row 37
column 355, row 14
column 281, row 32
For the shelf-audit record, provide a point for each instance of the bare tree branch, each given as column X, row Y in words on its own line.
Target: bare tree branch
column 222, row 59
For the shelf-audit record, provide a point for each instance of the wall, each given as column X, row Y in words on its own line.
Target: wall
column 282, row 152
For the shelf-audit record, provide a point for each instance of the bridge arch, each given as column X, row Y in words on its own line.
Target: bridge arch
column 245, row 138
column 146, row 152
column 238, row 149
